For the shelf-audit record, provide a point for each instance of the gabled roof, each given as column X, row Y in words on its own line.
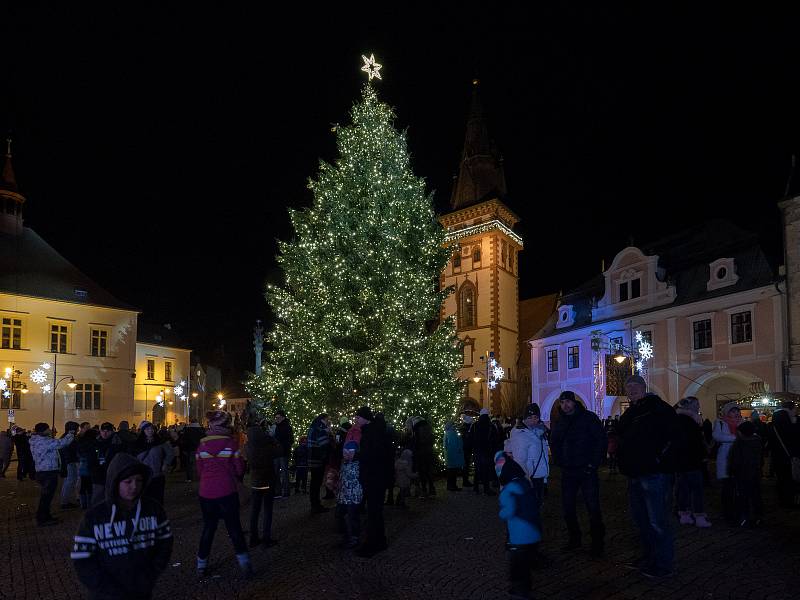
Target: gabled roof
column 29, row 266
column 685, row 258
column 159, row 334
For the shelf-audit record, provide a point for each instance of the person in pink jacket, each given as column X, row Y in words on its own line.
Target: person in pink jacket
column 220, row 467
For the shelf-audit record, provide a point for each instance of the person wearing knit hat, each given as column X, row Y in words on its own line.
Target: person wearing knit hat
column 530, row 450
column 648, row 437
column 724, row 433
column 220, row 466
column 46, row 459
column 690, row 457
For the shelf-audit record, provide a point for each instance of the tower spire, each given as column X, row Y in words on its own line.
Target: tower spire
column 481, row 174
column 9, row 180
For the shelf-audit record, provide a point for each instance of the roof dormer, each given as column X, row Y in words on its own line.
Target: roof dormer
column 566, row 316
column 722, row 273
column 634, row 282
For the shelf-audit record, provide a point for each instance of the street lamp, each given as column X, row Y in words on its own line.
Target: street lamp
column 72, row 385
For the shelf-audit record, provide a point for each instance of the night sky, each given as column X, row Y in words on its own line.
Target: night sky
column 159, row 148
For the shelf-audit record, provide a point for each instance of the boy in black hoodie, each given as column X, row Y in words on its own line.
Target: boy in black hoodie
column 124, row 543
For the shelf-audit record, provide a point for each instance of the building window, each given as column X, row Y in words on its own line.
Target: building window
column 573, row 357
column 552, row 361
column 12, row 333
column 467, row 310
column 476, row 254
column 702, row 334
column 630, row 289
column 741, row 328
column 151, row 368
column 15, row 397
column 457, row 260
column 88, row 396
column 167, row 371
column 615, row 344
column 59, row 338
column 99, row 342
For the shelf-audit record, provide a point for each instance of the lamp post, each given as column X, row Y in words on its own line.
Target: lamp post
column 12, row 374
column 72, row 385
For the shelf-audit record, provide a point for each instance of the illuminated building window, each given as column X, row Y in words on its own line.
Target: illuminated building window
column 467, row 310
column 11, row 333
column 89, row 396
column 99, row 342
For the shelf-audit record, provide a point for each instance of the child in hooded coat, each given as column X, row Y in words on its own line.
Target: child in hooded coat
column 124, row 543
column 519, row 508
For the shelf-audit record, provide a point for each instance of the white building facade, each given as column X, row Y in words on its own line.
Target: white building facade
column 706, row 302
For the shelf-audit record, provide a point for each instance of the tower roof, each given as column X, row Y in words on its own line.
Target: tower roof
column 480, row 175
column 8, row 181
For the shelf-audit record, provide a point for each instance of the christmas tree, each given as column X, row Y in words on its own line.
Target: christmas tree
column 357, row 318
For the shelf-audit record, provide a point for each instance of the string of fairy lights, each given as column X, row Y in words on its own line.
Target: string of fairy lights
column 357, row 318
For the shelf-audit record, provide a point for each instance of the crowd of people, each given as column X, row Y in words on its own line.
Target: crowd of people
column 117, row 476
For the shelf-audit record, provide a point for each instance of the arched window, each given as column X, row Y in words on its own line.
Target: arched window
column 467, row 309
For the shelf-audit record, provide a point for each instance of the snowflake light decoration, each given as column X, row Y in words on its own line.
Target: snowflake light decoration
column 46, row 366
column 178, row 389
column 3, row 384
column 184, row 397
column 645, row 351
column 46, row 388
column 492, row 384
column 6, row 394
column 639, row 337
column 38, row 376
column 639, row 366
column 498, row 372
column 182, row 383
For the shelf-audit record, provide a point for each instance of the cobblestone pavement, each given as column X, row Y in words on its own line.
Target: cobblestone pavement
column 450, row 546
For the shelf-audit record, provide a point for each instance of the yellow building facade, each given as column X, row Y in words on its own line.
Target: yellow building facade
column 163, row 390
column 484, row 268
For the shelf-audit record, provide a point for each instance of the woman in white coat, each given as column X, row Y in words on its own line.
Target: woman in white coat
column 724, row 433
column 530, row 450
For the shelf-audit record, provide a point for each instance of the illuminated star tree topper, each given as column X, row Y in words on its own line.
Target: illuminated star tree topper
column 370, row 67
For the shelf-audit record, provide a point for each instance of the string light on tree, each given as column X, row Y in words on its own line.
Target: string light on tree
column 355, row 309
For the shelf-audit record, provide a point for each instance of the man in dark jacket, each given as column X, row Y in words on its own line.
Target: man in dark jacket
column 126, row 436
column 784, row 445
column 483, row 437
column 285, row 437
column 319, row 449
column 190, row 441
column 649, row 435
column 579, row 444
column 423, row 456
column 124, row 543
column 464, row 430
column 25, row 465
column 260, row 451
column 69, row 468
column 106, row 446
column 372, row 474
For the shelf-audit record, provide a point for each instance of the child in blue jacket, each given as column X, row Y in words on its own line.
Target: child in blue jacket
column 519, row 508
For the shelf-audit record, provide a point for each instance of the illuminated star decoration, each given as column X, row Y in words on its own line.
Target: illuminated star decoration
column 46, row 388
column 6, row 394
column 3, row 384
column 370, row 67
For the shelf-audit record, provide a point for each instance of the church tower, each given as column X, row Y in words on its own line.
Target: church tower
column 11, row 200
column 484, row 267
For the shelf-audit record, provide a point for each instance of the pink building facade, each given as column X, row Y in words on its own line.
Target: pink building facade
column 705, row 300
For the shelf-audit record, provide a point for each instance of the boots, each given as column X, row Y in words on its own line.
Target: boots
column 701, row 520
column 686, row 517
